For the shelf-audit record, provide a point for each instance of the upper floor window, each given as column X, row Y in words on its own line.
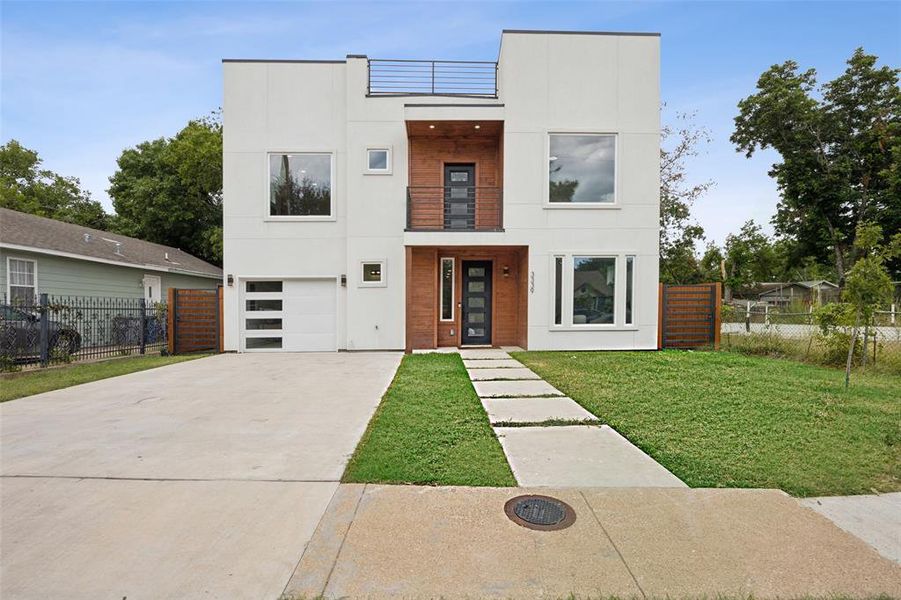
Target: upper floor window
column 378, row 161
column 300, row 185
column 582, row 169
column 21, row 280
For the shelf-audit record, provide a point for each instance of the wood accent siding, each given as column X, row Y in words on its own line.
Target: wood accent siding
column 422, row 297
column 509, row 295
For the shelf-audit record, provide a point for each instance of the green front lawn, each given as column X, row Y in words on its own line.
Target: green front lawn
column 430, row 429
column 27, row 383
column 719, row 419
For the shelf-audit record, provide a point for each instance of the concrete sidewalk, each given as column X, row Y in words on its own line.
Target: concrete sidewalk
column 426, row 542
column 874, row 518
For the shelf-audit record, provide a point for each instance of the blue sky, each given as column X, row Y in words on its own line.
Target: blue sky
column 83, row 80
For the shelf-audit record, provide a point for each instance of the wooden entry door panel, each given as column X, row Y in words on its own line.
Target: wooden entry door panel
column 476, row 300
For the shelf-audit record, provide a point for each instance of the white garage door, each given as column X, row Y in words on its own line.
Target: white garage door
column 293, row 315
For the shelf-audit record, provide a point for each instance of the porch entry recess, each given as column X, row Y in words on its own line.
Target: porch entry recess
column 459, row 196
column 476, row 303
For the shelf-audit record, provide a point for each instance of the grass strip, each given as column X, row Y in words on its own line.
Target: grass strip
column 27, row 383
column 430, row 429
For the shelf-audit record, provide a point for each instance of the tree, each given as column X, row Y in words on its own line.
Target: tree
column 747, row 258
column 868, row 284
column 169, row 190
column 26, row 187
column 678, row 232
column 841, row 153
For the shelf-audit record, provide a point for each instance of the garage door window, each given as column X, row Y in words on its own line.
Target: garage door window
column 254, row 287
column 258, row 305
column 263, row 343
column 257, row 324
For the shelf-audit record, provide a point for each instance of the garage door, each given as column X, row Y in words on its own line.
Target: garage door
column 293, row 315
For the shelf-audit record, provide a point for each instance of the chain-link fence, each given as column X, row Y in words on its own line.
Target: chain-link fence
column 765, row 330
column 60, row 329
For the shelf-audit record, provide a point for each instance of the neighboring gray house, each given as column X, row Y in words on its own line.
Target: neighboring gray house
column 40, row 255
column 799, row 292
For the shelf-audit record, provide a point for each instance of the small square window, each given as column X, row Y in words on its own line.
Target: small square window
column 378, row 161
column 372, row 273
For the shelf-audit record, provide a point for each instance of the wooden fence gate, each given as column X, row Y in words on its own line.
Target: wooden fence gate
column 689, row 316
column 195, row 320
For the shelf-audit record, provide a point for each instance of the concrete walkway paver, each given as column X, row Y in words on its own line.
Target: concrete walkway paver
column 500, row 374
column 493, row 363
column 580, row 456
column 483, row 353
column 427, row 542
column 500, row 389
column 534, row 410
column 876, row 519
column 203, row 479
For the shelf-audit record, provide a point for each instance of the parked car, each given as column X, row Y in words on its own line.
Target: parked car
column 20, row 334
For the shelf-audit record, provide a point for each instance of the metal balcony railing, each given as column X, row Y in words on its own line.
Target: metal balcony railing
column 401, row 77
column 455, row 208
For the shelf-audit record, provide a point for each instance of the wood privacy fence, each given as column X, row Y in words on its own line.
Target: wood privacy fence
column 195, row 320
column 689, row 316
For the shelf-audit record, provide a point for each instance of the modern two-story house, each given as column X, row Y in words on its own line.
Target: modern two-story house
column 414, row 204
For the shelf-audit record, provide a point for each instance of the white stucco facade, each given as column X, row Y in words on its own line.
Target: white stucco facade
column 547, row 83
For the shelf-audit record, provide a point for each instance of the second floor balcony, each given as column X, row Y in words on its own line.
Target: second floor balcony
column 456, row 176
column 454, row 208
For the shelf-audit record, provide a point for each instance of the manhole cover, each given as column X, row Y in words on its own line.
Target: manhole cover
column 540, row 512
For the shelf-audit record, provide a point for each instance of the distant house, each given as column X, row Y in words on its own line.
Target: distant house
column 798, row 292
column 40, row 255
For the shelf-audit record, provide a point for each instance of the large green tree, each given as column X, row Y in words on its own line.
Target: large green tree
column 678, row 231
column 747, row 258
column 26, row 187
column 169, row 190
column 840, row 148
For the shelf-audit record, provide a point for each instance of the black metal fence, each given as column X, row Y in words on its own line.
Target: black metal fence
column 60, row 329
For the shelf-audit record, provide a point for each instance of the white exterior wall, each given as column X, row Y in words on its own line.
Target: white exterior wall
column 548, row 83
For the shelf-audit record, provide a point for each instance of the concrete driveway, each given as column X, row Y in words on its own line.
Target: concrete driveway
column 201, row 479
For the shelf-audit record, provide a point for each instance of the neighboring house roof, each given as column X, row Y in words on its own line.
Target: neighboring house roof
column 39, row 234
column 771, row 288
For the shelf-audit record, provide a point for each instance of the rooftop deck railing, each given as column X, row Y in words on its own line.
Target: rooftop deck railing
column 401, row 77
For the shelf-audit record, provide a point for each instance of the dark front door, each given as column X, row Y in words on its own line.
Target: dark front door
column 459, row 196
column 476, row 302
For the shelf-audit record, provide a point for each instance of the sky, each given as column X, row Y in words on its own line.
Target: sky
column 81, row 81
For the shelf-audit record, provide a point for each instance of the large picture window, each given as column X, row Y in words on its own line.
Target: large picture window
column 300, row 185
column 594, row 290
column 582, row 169
column 22, row 276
